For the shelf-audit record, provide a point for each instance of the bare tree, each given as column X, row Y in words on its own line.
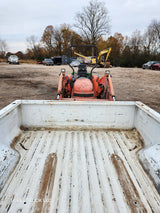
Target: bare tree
column 147, row 41
column 48, row 38
column 32, row 41
column 156, row 28
column 3, row 48
column 34, row 46
column 58, row 41
column 136, row 42
column 153, row 32
column 93, row 21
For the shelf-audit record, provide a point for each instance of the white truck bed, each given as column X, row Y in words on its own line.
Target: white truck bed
column 75, row 169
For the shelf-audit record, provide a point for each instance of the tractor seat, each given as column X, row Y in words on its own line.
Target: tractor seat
column 82, row 70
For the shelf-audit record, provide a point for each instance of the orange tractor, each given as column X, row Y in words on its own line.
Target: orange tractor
column 84, row 86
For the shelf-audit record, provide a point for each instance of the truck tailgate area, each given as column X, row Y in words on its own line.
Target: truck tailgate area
column 79, row 171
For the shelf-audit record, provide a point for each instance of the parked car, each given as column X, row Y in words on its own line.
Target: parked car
column 149, row 64
column 48, row 61
column 13, row 59
column 156, row 66
column 39, row 62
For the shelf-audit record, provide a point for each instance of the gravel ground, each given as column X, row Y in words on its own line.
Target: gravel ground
column 33, row 81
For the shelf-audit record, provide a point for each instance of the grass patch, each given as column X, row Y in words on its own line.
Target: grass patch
column 27, row 61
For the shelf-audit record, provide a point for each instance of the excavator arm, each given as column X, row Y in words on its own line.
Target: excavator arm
column 104, row 52
column 83, row 56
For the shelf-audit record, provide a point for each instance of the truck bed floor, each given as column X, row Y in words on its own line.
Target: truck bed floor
column 79, row 171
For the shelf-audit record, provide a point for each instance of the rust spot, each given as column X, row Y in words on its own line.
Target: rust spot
column 132, row 135
column 46, row 184
column 5, row 157
column 71, row 128
column 21, row 144
column 12, row 145
column 126, row 135
column 140, row 142
column 133, row 148
column 24, row 128
column 130, row 192
column 15, row 141
column 135, row 139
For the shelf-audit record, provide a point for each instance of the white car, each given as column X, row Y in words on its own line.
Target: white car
column 75, row 63
column 13, row 59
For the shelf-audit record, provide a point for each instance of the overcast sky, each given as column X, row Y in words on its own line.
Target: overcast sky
column 20, row 19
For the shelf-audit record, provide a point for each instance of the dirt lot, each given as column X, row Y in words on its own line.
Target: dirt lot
column 33, row 81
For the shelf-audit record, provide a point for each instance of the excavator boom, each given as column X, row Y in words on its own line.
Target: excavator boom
column 83, row 56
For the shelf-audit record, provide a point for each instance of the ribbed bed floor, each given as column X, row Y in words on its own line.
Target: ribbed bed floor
column 79, row 171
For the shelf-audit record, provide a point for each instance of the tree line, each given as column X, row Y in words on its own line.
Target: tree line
column 92, row 24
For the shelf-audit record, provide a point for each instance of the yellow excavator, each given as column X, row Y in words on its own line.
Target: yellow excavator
column 101, row 59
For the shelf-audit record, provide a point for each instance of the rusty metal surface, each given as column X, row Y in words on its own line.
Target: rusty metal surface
column 130, row 192
column 76, row 171
column 46, row 184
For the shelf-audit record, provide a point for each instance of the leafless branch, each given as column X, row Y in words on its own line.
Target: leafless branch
column 93, row 21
